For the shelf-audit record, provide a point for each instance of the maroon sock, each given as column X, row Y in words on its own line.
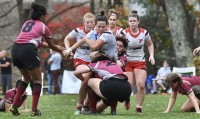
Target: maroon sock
column 20, row 91
column 92, row 99
column 113, row 105
column 35, row 95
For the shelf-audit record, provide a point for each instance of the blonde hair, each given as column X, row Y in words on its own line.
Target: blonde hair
column 88, row 15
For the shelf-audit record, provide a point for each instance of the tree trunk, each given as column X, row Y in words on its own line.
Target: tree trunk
column 92, row 6
column 179, row 31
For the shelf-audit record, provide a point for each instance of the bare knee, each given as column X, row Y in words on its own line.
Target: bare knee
column 184, row 109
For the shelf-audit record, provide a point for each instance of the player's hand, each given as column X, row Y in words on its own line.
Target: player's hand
column 152, row 60
column 67, row 52
column 165, row 112
column 26, row 110
column 196, row 50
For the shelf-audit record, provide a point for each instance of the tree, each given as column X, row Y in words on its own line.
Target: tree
column 179, row 30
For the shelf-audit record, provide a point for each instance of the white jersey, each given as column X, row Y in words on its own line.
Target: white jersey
column 56, row 59
column 110, row 46
column 118, row 31
column 135, row 50
column 84, row 51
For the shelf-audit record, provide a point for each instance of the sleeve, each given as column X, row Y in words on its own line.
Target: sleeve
column 147, row 36
column 9, row 60
column 73, row 33
column 105, row 37
column 186, row 88
column 46, row 31
column 123, row 60
column 92, row 35
column 52, row 58
column 159, row 72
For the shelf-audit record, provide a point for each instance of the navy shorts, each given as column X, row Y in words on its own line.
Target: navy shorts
column 115, row 89
column 25, row 56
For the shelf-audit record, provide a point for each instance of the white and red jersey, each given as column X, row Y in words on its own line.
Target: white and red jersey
column 118, row 31
column 110, row 46
column 84, row 51
column 32, row 32
column 135, row 49
column 105, row 69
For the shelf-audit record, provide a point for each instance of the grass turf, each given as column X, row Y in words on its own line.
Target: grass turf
column 63, row 107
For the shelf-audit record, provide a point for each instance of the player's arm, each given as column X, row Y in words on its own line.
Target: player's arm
column 94, row 45
column 150, row 46
column 196, row 50
column 69, row 41
column 7, row 106
column 7, row 64
column 194, row 101
column 81, row 69
column 172, row 100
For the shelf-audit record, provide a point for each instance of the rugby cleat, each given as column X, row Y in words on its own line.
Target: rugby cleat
column 35, row 113
column 14, row 110
column 84, row 109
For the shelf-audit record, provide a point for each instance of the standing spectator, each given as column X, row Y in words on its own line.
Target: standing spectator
column 55, row 61
column 136, row 66
column 160, row 78
column 49, row 74
column 25, row 57
column 6, row 72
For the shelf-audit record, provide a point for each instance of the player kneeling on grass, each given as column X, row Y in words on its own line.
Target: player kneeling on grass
column 189, row 86
column 111, row 86
column 8, row 99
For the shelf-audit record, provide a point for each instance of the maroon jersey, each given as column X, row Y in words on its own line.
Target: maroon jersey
column 123, row 59
column 105, row 69
column 32, row 32
column 9, row 98
column 186, row 86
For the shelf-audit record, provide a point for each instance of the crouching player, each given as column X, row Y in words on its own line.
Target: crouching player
column 8, row 99
column 111, row 86
column 189, row 86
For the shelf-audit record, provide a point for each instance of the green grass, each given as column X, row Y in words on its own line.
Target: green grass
column 63, row 106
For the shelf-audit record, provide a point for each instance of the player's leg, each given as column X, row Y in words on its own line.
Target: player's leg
column 131, row 78
column 140, row 76
column 37, row 80
column 20, row 91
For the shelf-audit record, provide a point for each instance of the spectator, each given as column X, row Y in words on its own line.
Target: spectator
column 55, row 61
column 149, row 82
column 49, row 75
column 160, row 78
column 6, row 71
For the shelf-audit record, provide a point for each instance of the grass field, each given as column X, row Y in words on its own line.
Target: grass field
column 63, row 106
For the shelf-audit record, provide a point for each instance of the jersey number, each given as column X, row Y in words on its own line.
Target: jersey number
column 28, row 26
column 110, row 63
